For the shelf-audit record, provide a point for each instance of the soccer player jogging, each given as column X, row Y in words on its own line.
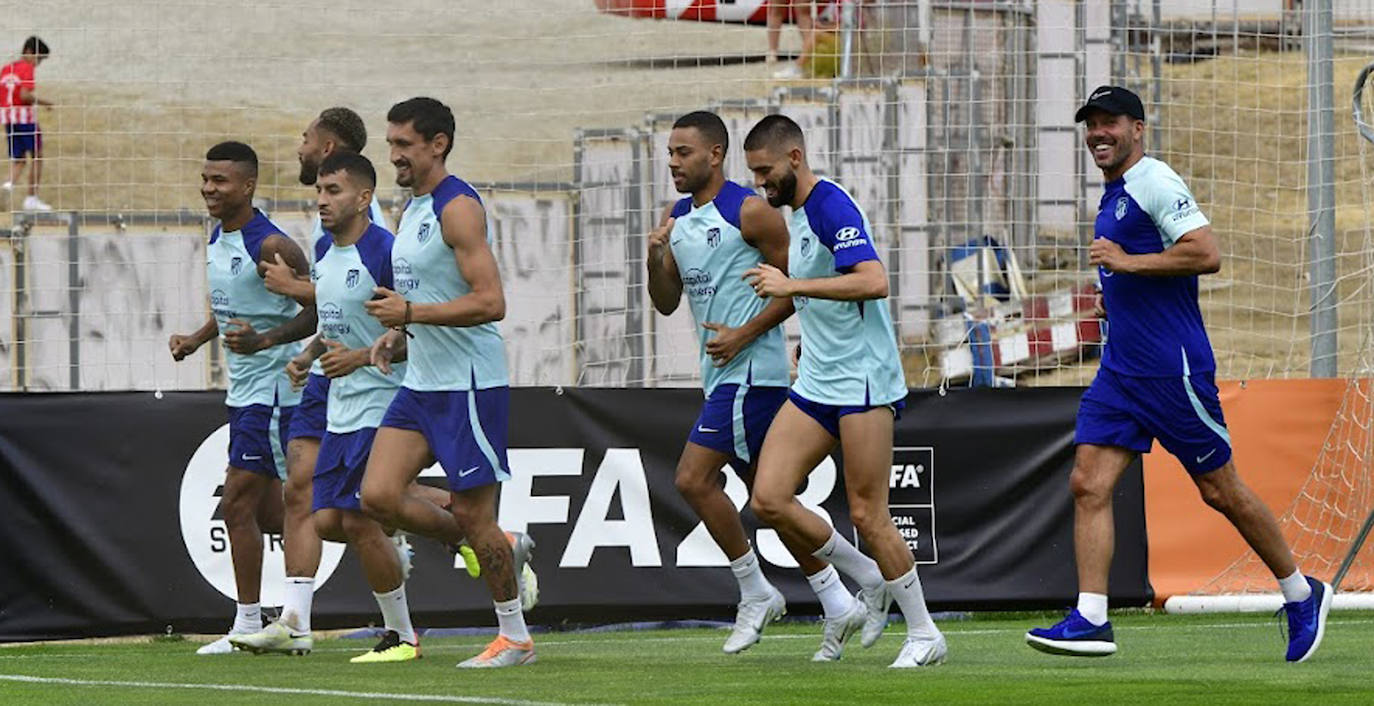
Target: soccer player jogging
column 335, row 130
column 1156, row 380
column 258, row 327
column 849, row 387
column 453, row 404
column 356, row 259
column 18, row 111
column 704, row 244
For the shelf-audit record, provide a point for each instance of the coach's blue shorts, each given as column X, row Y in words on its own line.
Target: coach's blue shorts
column 251, row 432
column 466, row 431
column 735, row 419
column 23, row 139
column 828, row 415
column 1130, row 412
column 339, row 470
column 309, row 419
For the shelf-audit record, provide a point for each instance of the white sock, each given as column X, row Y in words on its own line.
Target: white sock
column 1093, row 607
column 248, row 618
column 835, row 598
column 511, row 620
column 847, row 558
column 911, row 600
column 295, row 610
column 1295, row 588
column 395, row 613
column 752, row 583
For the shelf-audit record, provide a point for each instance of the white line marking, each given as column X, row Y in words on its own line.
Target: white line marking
column 279, row 690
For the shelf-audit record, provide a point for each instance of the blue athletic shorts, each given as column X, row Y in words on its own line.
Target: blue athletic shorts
column 251, row 431
column 309, row 420
column 23, row 139
column 735, row 419
column 339, row 470
column 1130, row 412
column 466, row 431
column 828, row 415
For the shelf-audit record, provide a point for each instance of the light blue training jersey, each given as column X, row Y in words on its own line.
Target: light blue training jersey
column 849, row 350
column 237, row 292
column 712, row 257
column 318, row 235
column 345, row 276
column 442, row 358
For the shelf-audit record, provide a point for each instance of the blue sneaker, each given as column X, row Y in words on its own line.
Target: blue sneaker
column 1307, row 621
column 1074, row 636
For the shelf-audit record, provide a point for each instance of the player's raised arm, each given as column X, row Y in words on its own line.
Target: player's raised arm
column 464, row 225
column 665, row 282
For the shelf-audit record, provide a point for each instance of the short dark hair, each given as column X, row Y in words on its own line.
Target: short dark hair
column 236, row 152
column 774, row 131
column 709, row 125
column 345, row 125
column 352, row 164
column 428, row 116
column 34, row 45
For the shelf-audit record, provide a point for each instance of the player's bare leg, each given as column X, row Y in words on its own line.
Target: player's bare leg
column 1096, row 471
column 475, row 512
column 1086, row 632
column 301, row 543
column 1225, row 492
column 243, row 492
column 244, row 499
column 866, row 441
column 398, row 456
column 386, row 577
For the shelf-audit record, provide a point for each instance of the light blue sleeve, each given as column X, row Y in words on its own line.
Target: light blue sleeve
column 1162, row 194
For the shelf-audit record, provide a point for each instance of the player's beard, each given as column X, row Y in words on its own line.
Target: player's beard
column 310, row 172
column 786, row 190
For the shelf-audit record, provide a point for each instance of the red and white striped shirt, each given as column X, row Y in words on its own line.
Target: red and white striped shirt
column 14, row 77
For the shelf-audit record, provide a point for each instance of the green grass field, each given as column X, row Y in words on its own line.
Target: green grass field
column 1163, row 659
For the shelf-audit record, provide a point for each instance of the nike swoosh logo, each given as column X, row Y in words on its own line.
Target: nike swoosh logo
column 707, row 430
column 1075, row 634
column 468, row 472
column 246, row 457
column 1208, row 455
column 909, row 584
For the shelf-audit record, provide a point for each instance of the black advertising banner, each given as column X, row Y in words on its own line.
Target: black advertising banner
column 110, row 519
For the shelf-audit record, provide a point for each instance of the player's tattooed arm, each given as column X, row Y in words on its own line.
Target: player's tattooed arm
column 1195, row 253
column 665, row 283
column 464, row 225
column 183, row 345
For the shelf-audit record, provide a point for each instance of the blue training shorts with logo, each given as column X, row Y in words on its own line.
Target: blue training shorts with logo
column 1130, row 412
column 828, row 415
column 338, row 480
column 250, row 438
column 310, row 421
column 735, row 419
column 465, row 429
column 23, row 139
